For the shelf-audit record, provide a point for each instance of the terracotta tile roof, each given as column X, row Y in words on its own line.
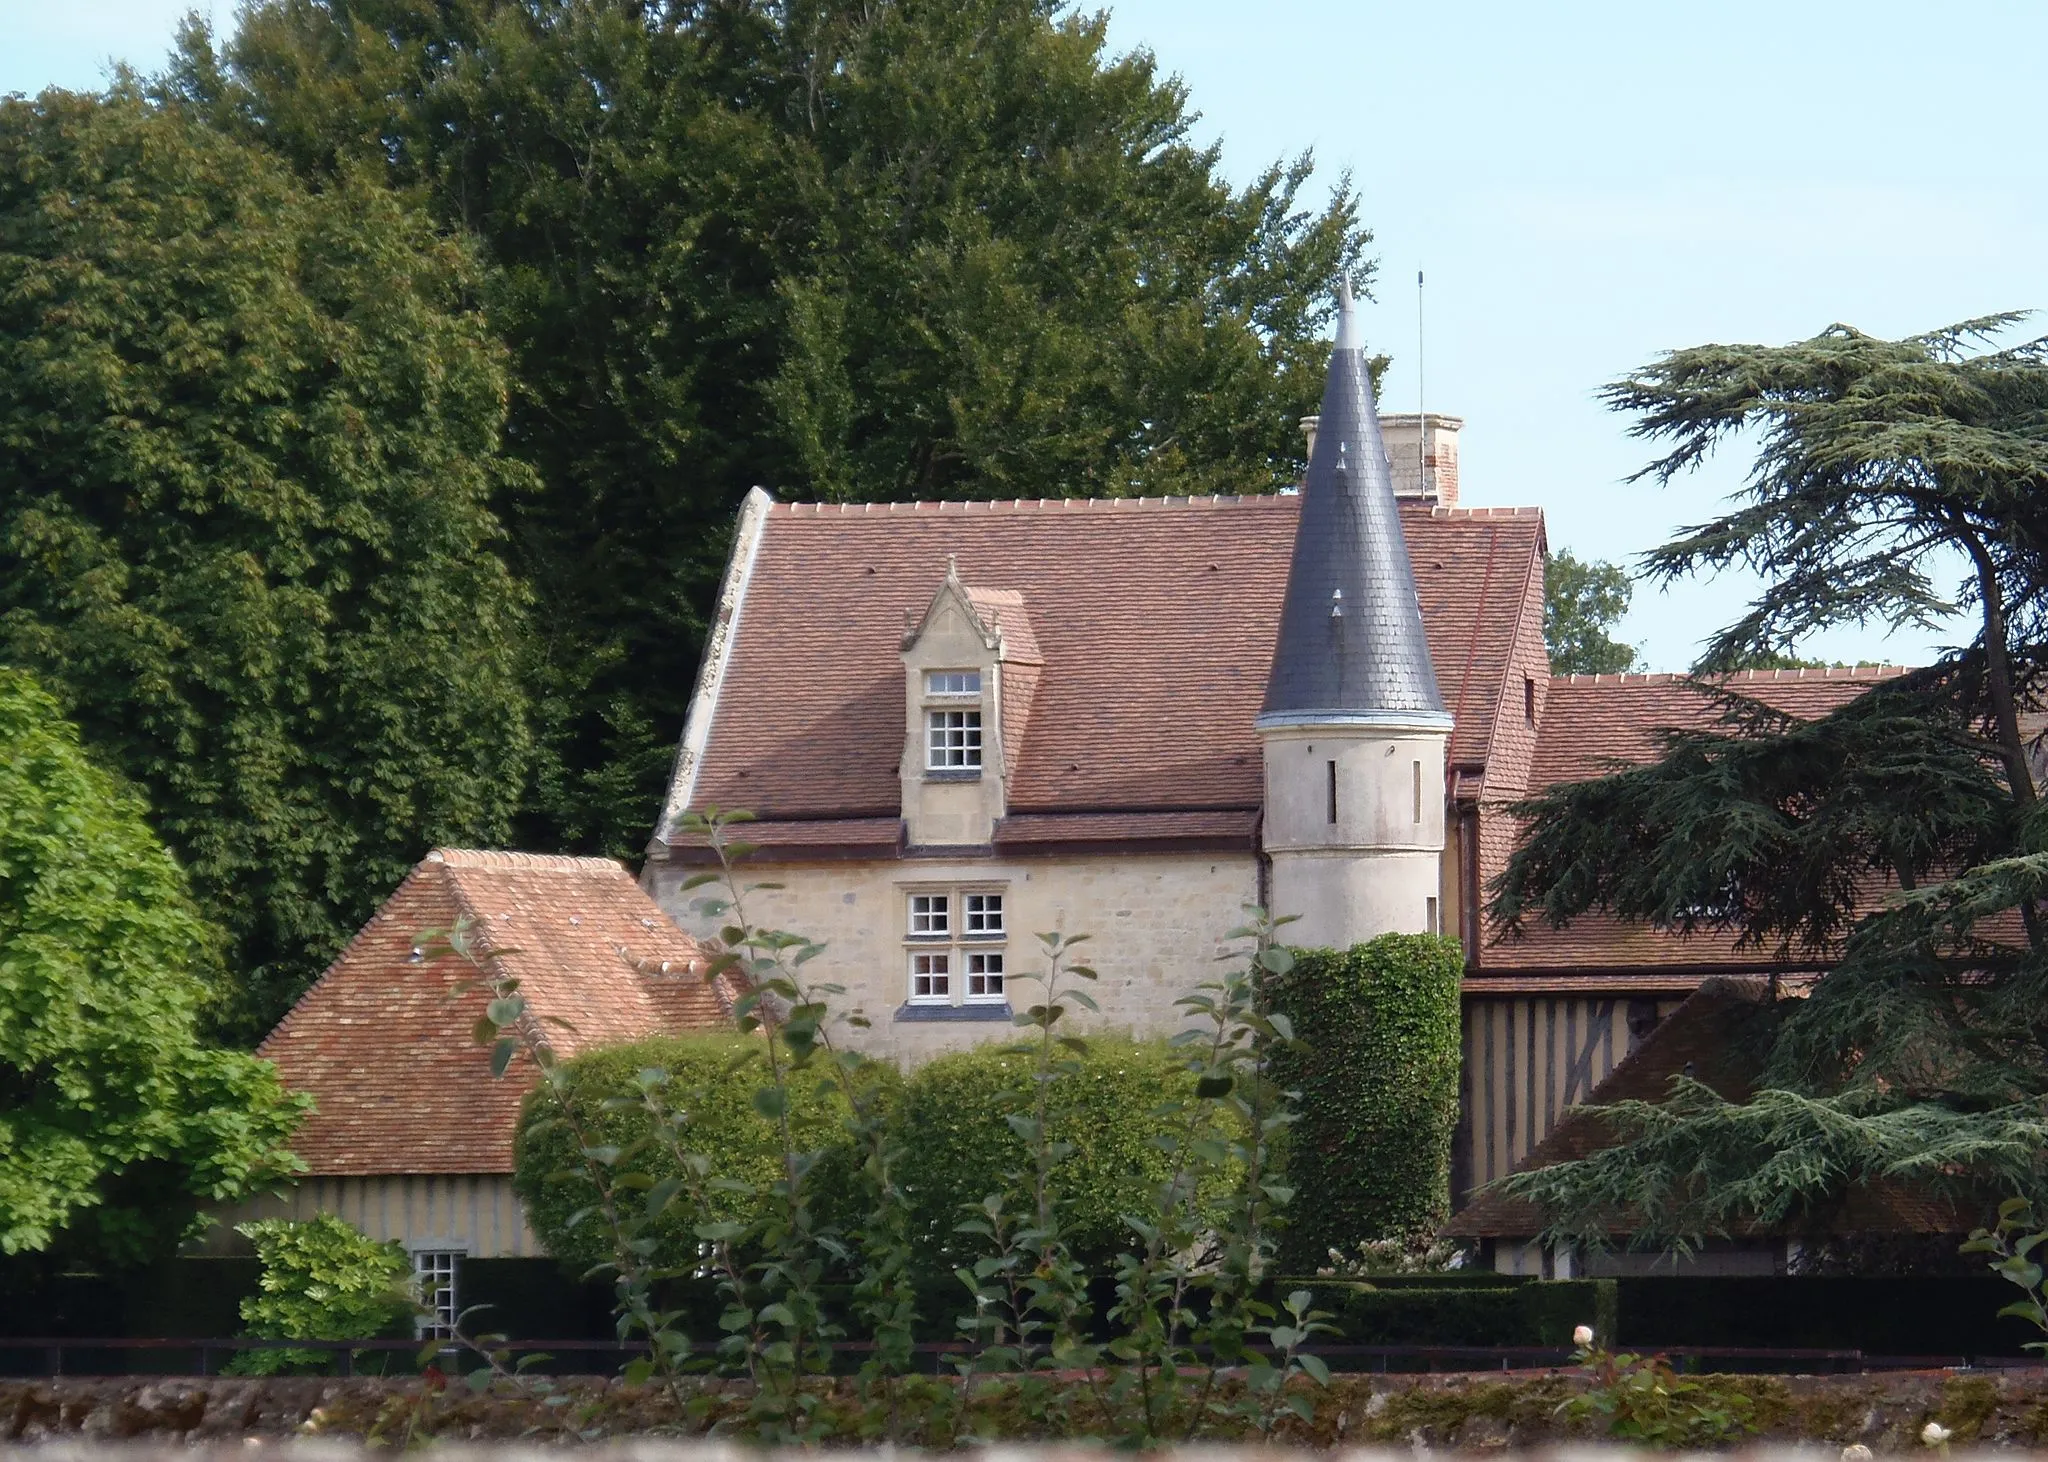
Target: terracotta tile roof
column 1227, row 829
column 1591, row 723
column 1704, row 1038
column 1156, row 620
column 388, row 1055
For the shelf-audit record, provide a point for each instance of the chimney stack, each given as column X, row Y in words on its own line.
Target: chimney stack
column 1434, row 475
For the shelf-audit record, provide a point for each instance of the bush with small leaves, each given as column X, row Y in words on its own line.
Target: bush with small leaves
column 712, row 1080
column 957, row 1146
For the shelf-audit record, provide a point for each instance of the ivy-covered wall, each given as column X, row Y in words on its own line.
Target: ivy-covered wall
column 1376, row 1064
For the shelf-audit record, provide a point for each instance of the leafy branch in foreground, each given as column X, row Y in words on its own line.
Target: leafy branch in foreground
column 1195, row 1347
column 1894, row 840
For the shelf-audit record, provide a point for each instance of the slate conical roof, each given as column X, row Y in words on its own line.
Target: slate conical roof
column 1351, row 647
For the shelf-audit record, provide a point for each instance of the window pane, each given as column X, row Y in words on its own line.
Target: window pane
column 984, row 913
column 929, row 914
column 984, row 977
column 952, row 682
column 931, row 977
column 953, row 739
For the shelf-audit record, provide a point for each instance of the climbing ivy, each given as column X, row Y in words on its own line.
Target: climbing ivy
column 1376, row 1064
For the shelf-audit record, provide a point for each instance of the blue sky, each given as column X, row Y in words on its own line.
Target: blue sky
column 1585, row 185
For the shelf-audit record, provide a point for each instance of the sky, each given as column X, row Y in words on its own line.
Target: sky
column 1584, row 186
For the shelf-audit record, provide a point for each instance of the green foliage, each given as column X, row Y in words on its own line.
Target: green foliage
column 711, row 1082
column 1469, row 1309
column 856, row 251
column 2011, row 1244
column 1376, row 1066
column 1645, row 1402
column 249, row 434
column 116, row 1124
column 322, row 1280
column 1919, row 1057
column 957, row 1148
column 1583, row 599
column 1189, row 1305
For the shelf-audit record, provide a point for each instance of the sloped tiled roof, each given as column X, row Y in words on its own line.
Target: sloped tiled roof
column 1594, row 721
column 388, row 1055
column 1591, row 723
column 1704, row 1039
column 1156, row 619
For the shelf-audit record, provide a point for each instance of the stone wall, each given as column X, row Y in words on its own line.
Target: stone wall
column 1381, row 1416
column 1156, row 923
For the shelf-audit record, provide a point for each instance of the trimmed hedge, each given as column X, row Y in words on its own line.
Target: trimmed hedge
column 712, row 1078
column 957, row 1146
column 1377, row 1069
column 1503, row 1313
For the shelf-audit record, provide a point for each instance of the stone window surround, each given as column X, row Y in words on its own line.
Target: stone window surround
column 957, row 943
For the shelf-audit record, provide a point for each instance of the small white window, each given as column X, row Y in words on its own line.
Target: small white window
column 930, row 918
column 984, row 976
column 984, row 915
column 952, row 682
column 931, row 977
column 954, row 740
column 433, row 1273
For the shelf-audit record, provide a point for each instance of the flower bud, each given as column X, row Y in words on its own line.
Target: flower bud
column 1934, row 1434
column 1583, row 1337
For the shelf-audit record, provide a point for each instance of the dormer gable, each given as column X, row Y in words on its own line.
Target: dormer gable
column 970, row 666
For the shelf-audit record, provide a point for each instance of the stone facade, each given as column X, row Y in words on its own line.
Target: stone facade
column 1156, row 924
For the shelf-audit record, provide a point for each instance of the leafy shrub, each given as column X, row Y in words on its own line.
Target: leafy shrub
column 322, row 1280
column 1376, row 1063
column 957, row 1148
column 714, row 1080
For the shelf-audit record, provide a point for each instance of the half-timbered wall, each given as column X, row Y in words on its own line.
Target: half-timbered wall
column 1530, row 1058
column 477, row 1213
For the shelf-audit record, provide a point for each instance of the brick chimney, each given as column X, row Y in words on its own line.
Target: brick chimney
column 1430, row 474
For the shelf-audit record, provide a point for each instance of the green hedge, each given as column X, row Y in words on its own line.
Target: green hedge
column 1377, row 1069
column 1506, row 1313
column 957, row 1146
column 711, row 1077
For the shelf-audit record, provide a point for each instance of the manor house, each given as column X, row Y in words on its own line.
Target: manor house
column 960, row 723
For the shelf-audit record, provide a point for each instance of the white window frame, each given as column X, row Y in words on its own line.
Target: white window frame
column 932, row 965
column 956, row 952
column 952, row 740
column 1000, row 974
column 435, row 1261
column 936, row 917
column 982, row 907
column 952, row 685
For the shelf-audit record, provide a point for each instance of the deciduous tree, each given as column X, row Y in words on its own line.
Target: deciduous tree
column 843, row 250
column 1583, row 600
column 249, row 437
column 116, row 1123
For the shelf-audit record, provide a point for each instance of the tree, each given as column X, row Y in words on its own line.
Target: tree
column 849, row 251
column 115, row 1122
column 1922, row 1054
column 249, row 438
column 1582, row 600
